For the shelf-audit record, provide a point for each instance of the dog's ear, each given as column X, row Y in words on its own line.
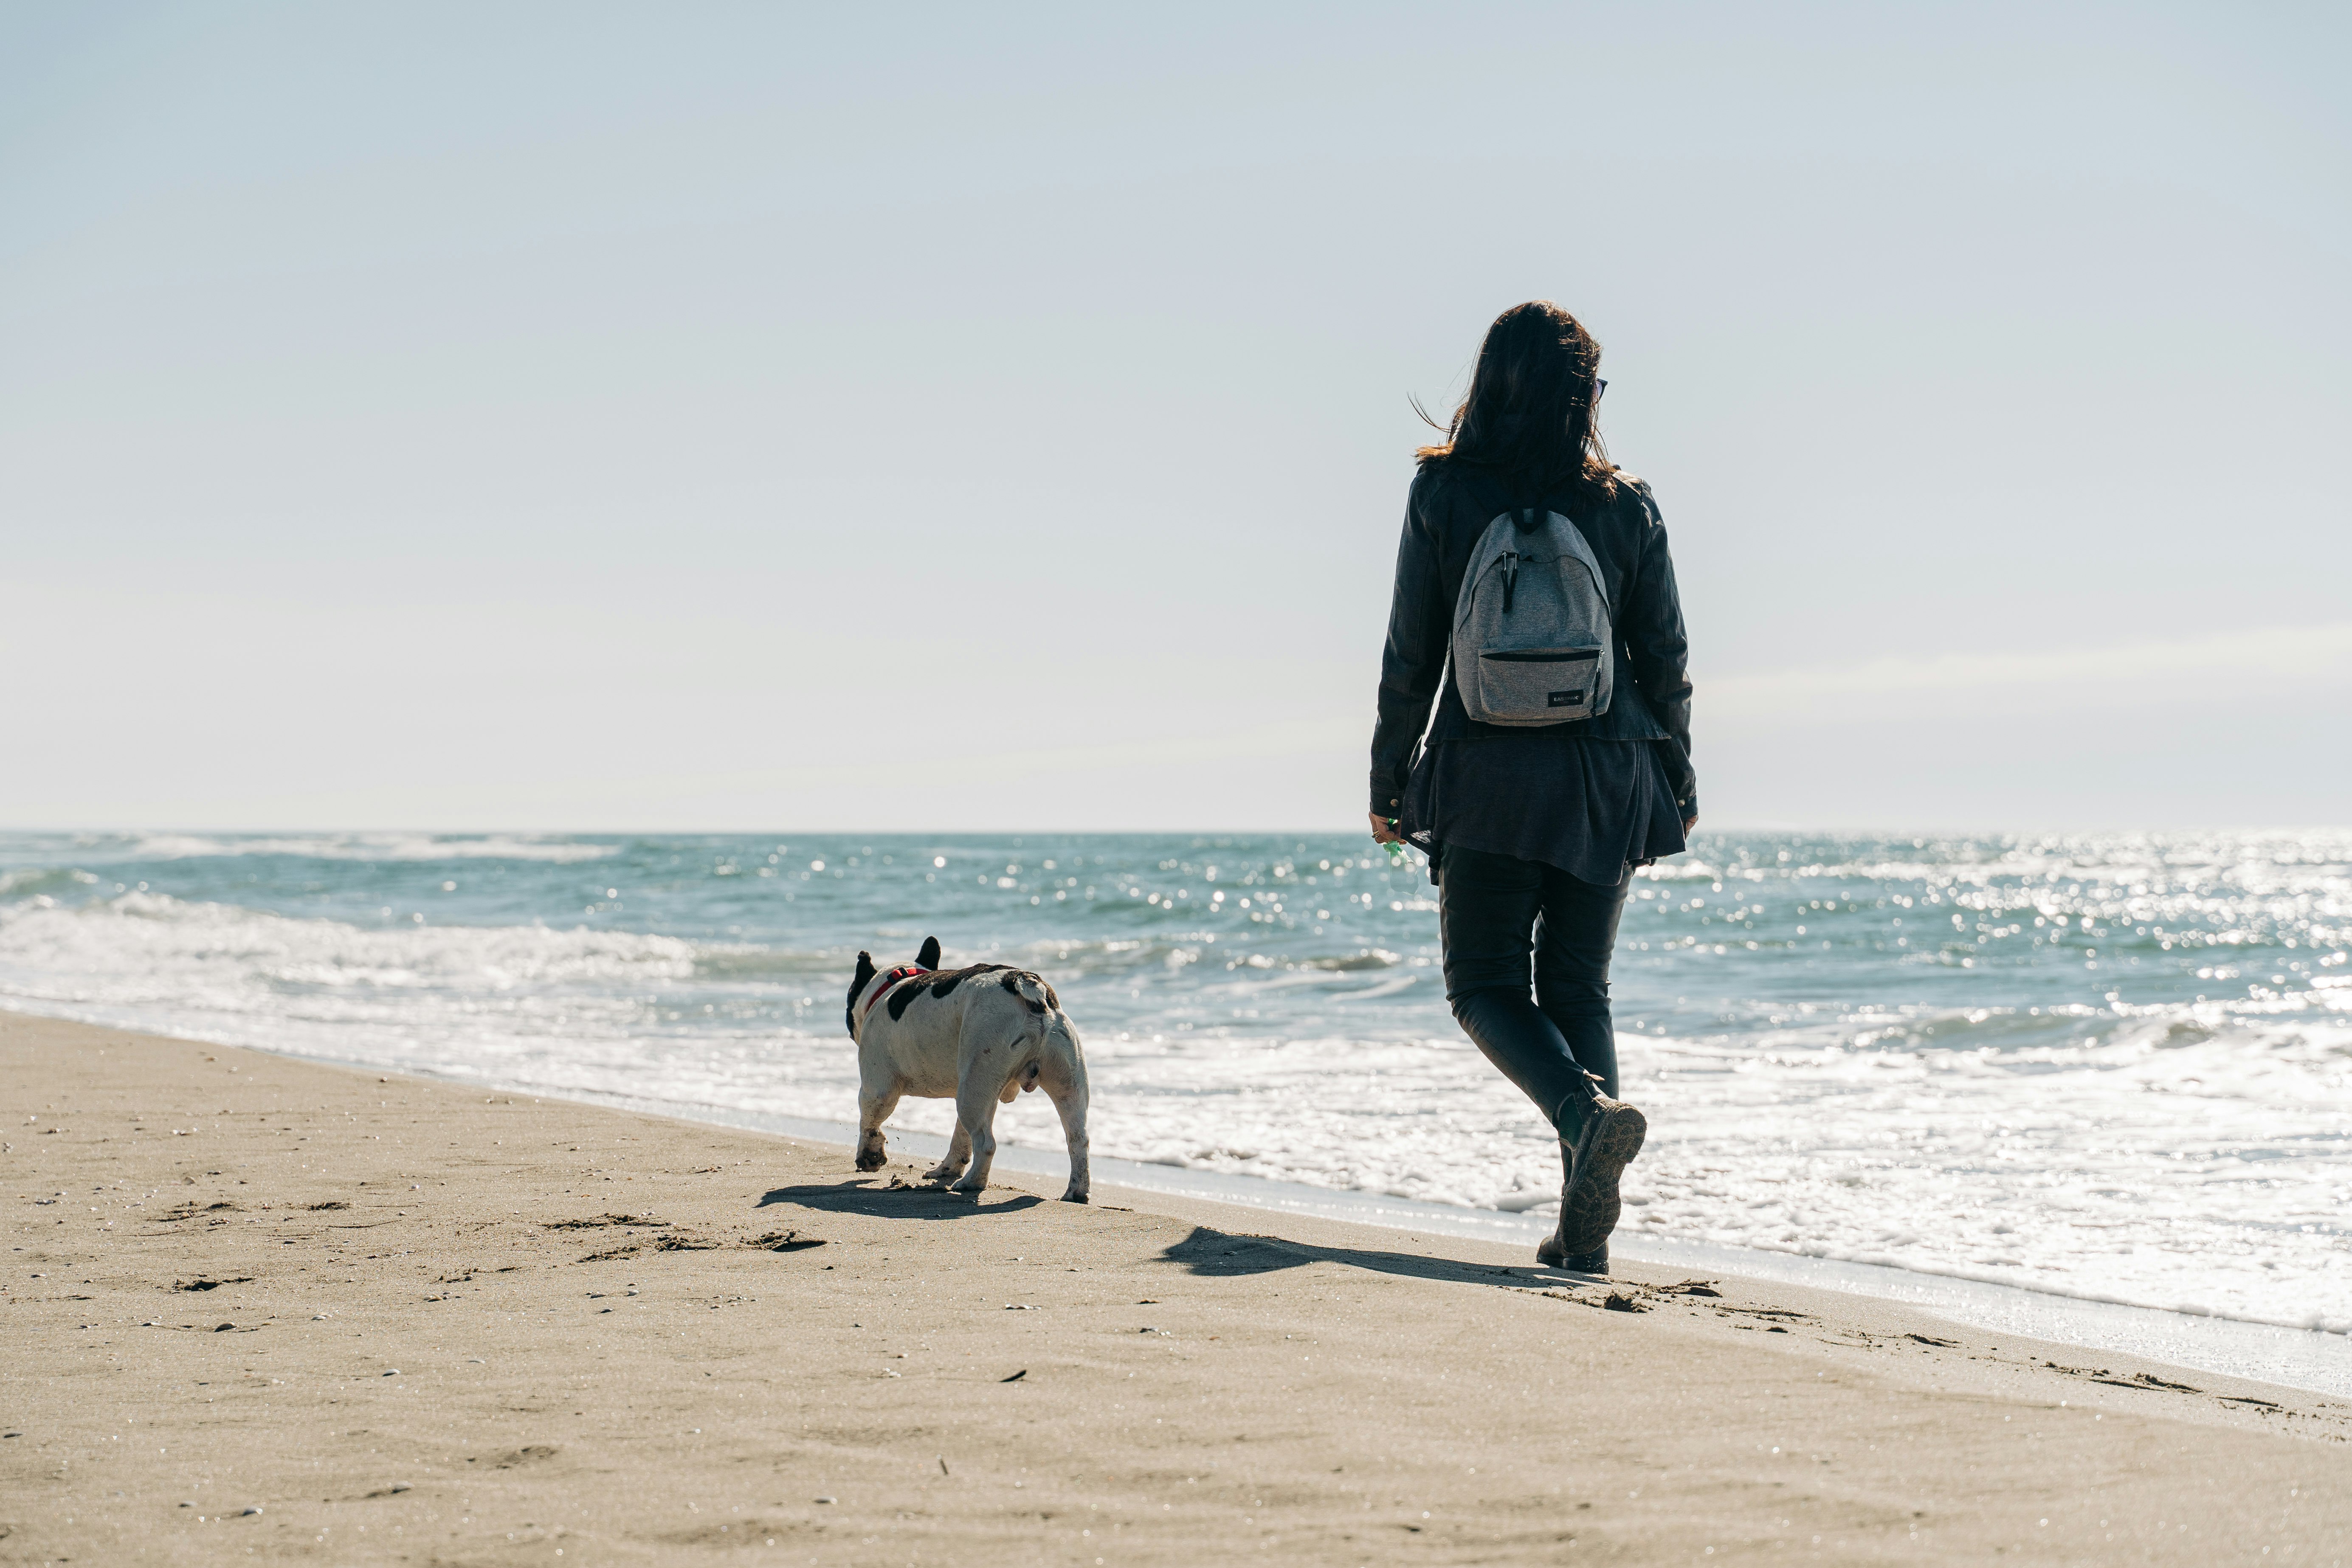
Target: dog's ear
column 930, row 957
column 858, row 984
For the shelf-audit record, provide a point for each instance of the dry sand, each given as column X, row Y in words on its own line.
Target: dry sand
column 262, row 1309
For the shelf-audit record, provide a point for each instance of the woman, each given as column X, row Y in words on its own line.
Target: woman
column 1533, row 829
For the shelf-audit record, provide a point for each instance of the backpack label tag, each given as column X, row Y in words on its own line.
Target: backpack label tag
column 1568, row 698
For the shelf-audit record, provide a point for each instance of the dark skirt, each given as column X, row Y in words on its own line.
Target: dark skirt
column 1589, row 807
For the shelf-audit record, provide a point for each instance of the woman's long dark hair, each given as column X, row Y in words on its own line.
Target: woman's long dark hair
column 1529, row 417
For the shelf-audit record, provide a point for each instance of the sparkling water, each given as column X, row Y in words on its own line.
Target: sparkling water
column 2115, row 1067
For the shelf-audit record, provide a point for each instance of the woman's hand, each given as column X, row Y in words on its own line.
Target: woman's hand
column 1689, row 824
column 1382, row 833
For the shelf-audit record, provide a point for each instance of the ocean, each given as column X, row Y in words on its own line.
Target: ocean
column 2116, row 1067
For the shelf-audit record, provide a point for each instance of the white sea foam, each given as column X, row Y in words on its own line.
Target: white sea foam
column 373, row 847
column 325, row 986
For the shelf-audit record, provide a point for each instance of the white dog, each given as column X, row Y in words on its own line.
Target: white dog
column 976, row 1034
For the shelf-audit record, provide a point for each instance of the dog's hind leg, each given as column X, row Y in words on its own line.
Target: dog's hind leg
column 873, row 1108
column 951, row 1165
column 1065, row 1083
column 976, row 1118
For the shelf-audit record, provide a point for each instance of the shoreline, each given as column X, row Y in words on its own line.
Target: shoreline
column 2315, row 1360
column 398, row 1318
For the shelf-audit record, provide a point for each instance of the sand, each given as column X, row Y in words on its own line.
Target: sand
column 260, row 1309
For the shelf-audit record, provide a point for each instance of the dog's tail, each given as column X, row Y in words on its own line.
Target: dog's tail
column 1033, row 991
column 1045, row 1018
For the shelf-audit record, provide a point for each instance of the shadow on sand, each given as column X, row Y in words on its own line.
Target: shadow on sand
column 885, row 1201
column 1206, row 1251
column 1220, row 1253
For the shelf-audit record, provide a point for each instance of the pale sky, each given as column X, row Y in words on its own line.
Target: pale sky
column 746, row 417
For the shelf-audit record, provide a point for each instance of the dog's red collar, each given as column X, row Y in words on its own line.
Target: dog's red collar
column 903, row 972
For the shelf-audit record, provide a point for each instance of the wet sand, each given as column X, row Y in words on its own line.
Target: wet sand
column 259, row 1309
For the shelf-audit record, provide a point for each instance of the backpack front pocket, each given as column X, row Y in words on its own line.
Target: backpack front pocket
column 1538, row 685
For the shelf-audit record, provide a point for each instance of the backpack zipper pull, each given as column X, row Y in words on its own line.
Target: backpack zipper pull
column 1510, row 577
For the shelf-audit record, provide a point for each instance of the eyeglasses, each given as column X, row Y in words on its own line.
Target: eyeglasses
column 1599, row 386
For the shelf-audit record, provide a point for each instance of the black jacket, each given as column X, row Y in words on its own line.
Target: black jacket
column 1447, row 511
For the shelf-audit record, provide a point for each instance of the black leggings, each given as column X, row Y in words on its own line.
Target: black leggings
column 1494, row 912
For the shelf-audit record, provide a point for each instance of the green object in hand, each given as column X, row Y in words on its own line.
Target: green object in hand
column 1396, row 850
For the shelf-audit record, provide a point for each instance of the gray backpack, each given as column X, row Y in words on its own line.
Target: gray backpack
column 1533, row 631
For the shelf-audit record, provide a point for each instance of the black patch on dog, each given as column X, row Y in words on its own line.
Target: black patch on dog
column 902, row 995
column 944, row 983
column 865, row 974
column 929, row 956
column 941, row 983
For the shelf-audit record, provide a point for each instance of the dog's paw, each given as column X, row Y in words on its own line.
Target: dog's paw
column 873, row 1161
column 1076, row 1196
